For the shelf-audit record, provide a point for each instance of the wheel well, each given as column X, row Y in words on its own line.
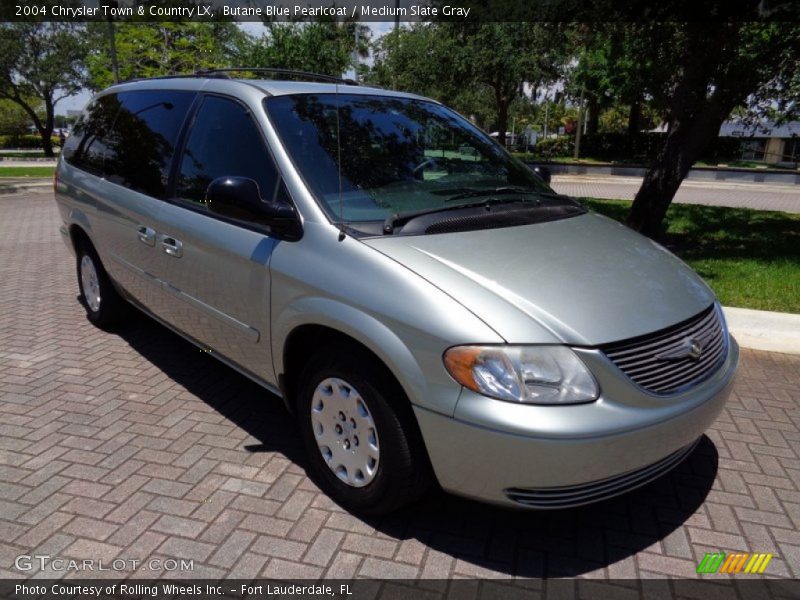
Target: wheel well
column 303, row 342
column 77, row 236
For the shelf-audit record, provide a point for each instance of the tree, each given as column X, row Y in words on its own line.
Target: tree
column 153, row 49
column 41, row 64
column 703, row 71
column 615, row 67
column 502, row 57
column 472, row 66
column 324, row 46
column 13, row 118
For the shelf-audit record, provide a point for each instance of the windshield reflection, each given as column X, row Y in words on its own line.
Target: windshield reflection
column 395, row 155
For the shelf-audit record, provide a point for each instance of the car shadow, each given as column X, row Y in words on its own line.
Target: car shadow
column 485, row 539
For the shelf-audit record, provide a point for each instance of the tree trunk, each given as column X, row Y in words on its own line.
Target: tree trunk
column 46, row 131
column 502, row 120
column 593, row 118
column 634, row 119
column 686, row 141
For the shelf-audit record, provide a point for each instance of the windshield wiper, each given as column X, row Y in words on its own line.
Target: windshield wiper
column 393, row 220
column 475, row 193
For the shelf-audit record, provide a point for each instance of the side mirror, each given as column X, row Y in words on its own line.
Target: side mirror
column 240, row 198
column 543, row 173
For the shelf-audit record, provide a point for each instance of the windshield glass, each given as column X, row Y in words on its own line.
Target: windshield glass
column 396, row 155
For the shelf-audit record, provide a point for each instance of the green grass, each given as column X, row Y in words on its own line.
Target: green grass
column 26, row 171
column 751, row 258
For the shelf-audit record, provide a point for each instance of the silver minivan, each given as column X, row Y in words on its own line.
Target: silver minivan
column 425, row 304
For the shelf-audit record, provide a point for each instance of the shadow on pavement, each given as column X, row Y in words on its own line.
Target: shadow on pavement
column 514, row 543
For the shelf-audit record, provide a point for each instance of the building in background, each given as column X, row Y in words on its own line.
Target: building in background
column 766, row 142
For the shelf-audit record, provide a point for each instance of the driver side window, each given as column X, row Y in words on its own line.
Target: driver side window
column 224, row 141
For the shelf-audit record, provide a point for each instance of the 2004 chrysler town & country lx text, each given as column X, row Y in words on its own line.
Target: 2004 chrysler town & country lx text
column 425, row 304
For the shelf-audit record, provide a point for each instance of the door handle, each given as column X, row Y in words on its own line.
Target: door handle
column 147, row 235
column 172, row 246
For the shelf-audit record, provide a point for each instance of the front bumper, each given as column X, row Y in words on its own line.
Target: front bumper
column 561, row 456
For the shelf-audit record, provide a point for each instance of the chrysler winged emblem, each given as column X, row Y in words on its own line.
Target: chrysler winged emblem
column 688, row 348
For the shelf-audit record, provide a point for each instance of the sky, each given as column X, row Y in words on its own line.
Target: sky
column 78, row 101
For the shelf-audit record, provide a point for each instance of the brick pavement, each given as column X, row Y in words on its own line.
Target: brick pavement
column 135, row 445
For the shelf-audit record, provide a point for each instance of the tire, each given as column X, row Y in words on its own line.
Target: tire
column 104, row 306
column 338, row 377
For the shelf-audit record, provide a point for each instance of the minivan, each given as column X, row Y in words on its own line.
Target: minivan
column 426, row 305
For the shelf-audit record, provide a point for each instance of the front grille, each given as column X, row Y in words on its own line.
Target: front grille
column 569, row 496
column 646, row 360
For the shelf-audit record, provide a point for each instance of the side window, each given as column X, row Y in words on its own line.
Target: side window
column 224, row 141
column 86, row 146
column 141, row 145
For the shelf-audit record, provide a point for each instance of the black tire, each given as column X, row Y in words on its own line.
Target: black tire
column 107, row 308
column 403, row 472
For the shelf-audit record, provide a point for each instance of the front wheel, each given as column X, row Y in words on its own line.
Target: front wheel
column 363, row 447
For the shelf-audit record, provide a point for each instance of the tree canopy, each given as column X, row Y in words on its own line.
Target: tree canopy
column 153, row 49
column 41, row 64
column 324, row 46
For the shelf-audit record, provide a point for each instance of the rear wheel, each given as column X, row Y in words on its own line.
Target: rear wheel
column 104, row 306
column 363, row 447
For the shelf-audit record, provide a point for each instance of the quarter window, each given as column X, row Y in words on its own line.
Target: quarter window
column 86, row 146
column 224, row 142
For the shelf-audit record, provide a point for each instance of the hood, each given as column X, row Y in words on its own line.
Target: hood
column 585, row 280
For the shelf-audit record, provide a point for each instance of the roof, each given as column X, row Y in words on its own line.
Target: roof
column 272, row 87
column 281, row 88
column 762, row 129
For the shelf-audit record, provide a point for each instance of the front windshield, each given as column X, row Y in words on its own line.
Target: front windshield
column 396, row 155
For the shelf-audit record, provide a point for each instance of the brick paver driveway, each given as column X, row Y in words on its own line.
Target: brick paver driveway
column 136, row 445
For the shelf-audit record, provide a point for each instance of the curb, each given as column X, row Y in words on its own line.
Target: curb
column 764, row 330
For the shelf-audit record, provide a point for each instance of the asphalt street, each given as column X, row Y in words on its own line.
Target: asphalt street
column 760, row 196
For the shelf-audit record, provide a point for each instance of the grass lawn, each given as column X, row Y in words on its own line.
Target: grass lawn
column 26, row 171
column 751, row 258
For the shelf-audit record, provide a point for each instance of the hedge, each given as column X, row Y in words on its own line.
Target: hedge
column 24, row 141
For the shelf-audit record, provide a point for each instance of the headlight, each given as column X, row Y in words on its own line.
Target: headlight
column 529, row 374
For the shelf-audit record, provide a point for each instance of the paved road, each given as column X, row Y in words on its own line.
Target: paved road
column 135, row 445
column 760, row 196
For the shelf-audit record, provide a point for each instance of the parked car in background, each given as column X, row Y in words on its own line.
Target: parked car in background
column 426, row 305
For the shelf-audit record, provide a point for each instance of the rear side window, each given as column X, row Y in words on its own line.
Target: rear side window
column 142, row 142
column 86, row 146
column 224, row 141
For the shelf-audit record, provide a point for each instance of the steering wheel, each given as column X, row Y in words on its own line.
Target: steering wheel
column 429, row 163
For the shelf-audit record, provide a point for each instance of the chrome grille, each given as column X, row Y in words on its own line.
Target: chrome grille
column 648, row 362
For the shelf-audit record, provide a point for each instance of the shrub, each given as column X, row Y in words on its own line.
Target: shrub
column 553, row 147
column 25, row 141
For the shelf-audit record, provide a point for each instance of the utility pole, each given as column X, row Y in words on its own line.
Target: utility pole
column 546, row 113
column 396, row 15
column 580, row 126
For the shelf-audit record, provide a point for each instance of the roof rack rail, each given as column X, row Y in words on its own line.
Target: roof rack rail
column 292, row 72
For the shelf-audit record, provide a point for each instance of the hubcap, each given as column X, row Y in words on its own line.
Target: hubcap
column 345, row 432
column 90, row 284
